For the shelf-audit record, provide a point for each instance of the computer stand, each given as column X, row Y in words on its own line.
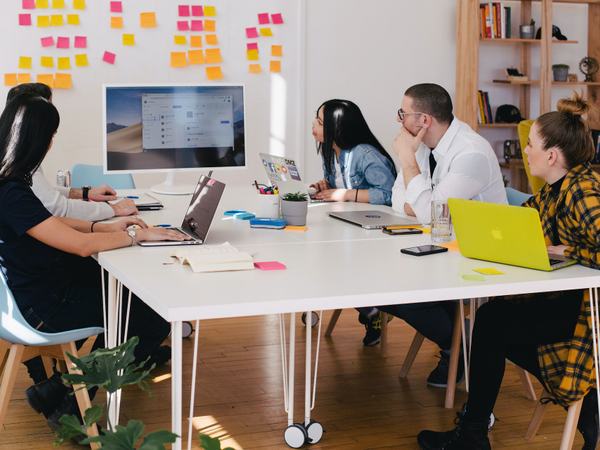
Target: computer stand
column 169, row 187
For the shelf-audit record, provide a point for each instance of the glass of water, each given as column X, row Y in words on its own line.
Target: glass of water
column 441, row 225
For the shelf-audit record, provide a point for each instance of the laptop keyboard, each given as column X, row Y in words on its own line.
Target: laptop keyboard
column 555, row 261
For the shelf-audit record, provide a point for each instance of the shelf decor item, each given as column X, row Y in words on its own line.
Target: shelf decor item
column 560, row 72
column 589, row 67
column 527, row 31
column 513, row 74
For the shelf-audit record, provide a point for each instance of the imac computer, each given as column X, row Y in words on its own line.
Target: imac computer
column 172, row 128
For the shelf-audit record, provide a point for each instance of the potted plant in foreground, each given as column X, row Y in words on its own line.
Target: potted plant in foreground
column 294, row 207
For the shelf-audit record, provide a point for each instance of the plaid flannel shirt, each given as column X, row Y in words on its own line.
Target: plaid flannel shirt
column 568, row 367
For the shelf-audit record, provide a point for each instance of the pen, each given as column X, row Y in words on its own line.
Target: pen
column 132, row 196
column 163, row 225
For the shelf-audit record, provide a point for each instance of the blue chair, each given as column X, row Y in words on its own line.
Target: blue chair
column 88, row 175
column 21, row 342
column 516, row 198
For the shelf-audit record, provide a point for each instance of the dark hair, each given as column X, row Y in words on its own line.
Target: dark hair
column 567, row 130
column 35, row 89
column 27, row 126
column 431, row 99
column 344, row 125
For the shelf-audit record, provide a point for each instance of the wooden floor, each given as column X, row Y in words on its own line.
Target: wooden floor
column 360, row 400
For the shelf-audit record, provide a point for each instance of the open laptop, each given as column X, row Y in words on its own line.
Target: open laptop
column 199, row 215
column 502, row 233
column 372, row 220
column 283, row 173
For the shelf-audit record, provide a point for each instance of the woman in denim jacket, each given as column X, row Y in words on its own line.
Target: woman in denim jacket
column 356, row 167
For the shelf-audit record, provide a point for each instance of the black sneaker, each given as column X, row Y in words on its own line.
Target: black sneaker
column 46, row 396
column 373, row 327
column 466, row 436
column 160, row 357
column 439, row 376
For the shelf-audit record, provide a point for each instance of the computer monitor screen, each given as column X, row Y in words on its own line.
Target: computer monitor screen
column 176, row 127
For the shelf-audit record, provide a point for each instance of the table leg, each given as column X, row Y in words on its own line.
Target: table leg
column 193, row 386
column 593, row 292
column 176, row 382
column 110, row 340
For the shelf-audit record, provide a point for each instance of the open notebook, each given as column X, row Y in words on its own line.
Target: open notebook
column 214, row 258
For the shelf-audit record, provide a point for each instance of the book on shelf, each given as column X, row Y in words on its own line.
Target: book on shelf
column 214, row 258
column 495, row 20
column 485, row 109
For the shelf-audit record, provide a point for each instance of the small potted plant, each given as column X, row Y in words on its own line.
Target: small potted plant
column 294, row 207
column 560, row 72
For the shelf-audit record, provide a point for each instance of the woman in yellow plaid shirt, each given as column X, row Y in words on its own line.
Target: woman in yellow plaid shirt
column 547, row 334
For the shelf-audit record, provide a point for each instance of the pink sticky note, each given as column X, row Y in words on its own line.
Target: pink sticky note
column 263, row 18
column 47, row 41
column 277, row 19
column 116, row 7
column 197, row 11
column 251, row 46
column 28, row 4
column 80, row 42
column 109, row 57
column 270, row 265
column 197, row 25
column 183, row 25
column 184, row 10
column 251, row 33
column 25, row 20
column 63, row 42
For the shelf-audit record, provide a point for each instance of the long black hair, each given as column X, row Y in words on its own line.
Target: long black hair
column 344, row 125
column 27, row 126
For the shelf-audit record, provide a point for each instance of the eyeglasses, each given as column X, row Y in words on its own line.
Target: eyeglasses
column 402, row 114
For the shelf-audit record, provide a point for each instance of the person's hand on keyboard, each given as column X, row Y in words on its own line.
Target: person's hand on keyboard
column 120, row 225
column 558, row 250
column 161, row 234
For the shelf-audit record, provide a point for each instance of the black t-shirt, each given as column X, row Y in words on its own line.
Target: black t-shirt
column 38, row 275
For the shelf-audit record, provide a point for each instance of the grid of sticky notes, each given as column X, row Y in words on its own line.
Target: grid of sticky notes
column 196, row 40
column 261, row 41
column 50, row 13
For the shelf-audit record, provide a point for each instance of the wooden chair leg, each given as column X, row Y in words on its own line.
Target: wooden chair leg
column 48, row 365
column 4, row 348
column 536, row 420
column 9, row 376
column 332, row 321
column 568, row 436
column 527, row 384
column 415, row 346
column 453, row 366
column 384, row 327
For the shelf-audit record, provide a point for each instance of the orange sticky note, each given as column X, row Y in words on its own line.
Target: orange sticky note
column 128, row 39
column 212, row 39
column 254, row 68
column 23, row 78
column 116, row 22
column 46, row 78
column 178, row 59
column 63, row 81
column 252, row 55
column 210, row 11
column 78, row 4
column 73, row 19
column 265, row 32
column 64, row 63
column 81, row 60
column 213, row 56
column 25, row 62
column 452, row 246
column 275, row 66
column 180, row 40
column 196, row 56
column 47, row 61
column 56, row 20
column 41, row 4
column 43, row 21
column 148, row 20
column 210, row 25
column 214, row 73
column 10, row 79
column 58, row 4
column 196, row 41
column 276, row 50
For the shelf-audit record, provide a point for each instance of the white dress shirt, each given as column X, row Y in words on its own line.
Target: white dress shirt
column 57, row 201
column 467, row 167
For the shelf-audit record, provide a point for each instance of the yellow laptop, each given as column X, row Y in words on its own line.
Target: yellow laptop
column 504, row 234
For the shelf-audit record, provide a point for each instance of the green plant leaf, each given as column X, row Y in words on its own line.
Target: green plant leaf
column 93, row 415
column 295, row 197
column 69, row 428
column 123, row 438
column 209, row 443
column 157, row 440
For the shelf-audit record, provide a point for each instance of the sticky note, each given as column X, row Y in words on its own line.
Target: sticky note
column 58, row 4
column 25, row 20
column 46, row 78
column 263, row 18
column 23, row 78
column 10, row 79
column 109, row 57
column 251, row 33
column 472, row 277
column 116, row 7
column 25, row 62
column 78, row 4
column 63, row 81
column 183, row 25
column 213, row 56
column 214, row 73
column 184, row 10
column 81, row 60
column 148, row 20
column 196, row 41
column 266, row 32
column 275, row 66
column 210, row 25
column 270, row 265
column 251, row 46
column 452, row 245
column 43, row 21
column 64, row 63
column 254, row 68
column 178, row 59
column 196, row 56
column 128, row 39
column 28, row 4
column 46, row 61
column 210, row 11
column 41, row 4
column 57, row 20
column 211, row 39
column 80, row 42
column 277, row 19
column 197, row 25
column 73, row 19
column 252, row 55
column 63, row 42
column 179, row 40
column 47, row 41
column 116, row 22
column 276, row 50
column 488, row 271
column 296, row 228
column 197, row 11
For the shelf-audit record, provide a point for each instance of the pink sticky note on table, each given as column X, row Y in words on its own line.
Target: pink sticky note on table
column 277, row 19
column 109, row 57
column 263, row 18
column 25, row 20
column 184, row 10
column 183, row 25
column 47, row 41
column 116, row 7
column 252, row 46
column 197, row 11
column 251, row 33
column 197, row 25
column 270, row 265
column 63, row 42
column 28, row 4
column 80, row 42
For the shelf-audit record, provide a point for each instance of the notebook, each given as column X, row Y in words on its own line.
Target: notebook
column 372, row 220
column 501, row 233
column 214, row 258
column 143, row 201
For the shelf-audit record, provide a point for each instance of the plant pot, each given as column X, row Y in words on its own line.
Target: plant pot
column 294, row 212
column 560, row 72
column 526, row 31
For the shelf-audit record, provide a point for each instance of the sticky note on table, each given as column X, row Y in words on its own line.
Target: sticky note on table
column 184, row 10
column 270, row 265
column 275, row 66
column 25, row 62
column 109, row 57
column 47, row 41
column 252, row 55
column 23, row 78
column 58, row 4
column 10, row 79
column 57, row 20
column 277, row 19
column 129, row 39
column 148, row 20
column 78, row 4
column 488, row 271
column 80, row 42
column 116, row 7
column 210, row 11
column 178, row 59
column 47, row 61
column 210, row 25
column 296, row 228
column 452, row 245
column 214, row 73
column 63, row 81
column 28, row 4
column 179, row 40
column 196, row 41
column 266, row 32
column 211, row 39
column 41, row 4
column 64, row 63
column 81, row 60
column 254, row 68
column 46, row 78
column 276, row 50
column 25, row 20
column 196, row 56
column 251, row 46
column 213, row 56
column 116, row 22
column 73, row 19
column 63, row 42
column 196, row 25
column 197, row 11
column 472, row 277
column 183, row 25
column 251, row 33
column 263, row 18
column 43, row 21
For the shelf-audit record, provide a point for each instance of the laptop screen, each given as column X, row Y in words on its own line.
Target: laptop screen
column 203, row 206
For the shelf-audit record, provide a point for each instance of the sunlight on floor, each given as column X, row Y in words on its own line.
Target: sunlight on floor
column 160, row 378
column 210, row 426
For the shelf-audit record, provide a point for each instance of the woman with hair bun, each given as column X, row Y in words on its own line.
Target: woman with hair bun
column 547, row 334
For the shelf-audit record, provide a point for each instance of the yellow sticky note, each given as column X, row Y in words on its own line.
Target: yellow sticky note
column 41, row 4
column 210, row 11
column 43, row 21
column 196, row 41
column 214, row 73
column 213, row 56
column 78, row 4
column 81, row 60
column 254, row 68
column 178, row 59
column 488, row 271
column 58, row 4
column 210, row 25
column 266, row 32
column 452, row 245
column 296, row 228
column 180, row 40
column 23, row 78
column 276, row 50
column 25, row 62
column 211, row 39
column 47, row 61
column 252, row 55
column 63, row 81
column 64, row 63
column 46, row 78
column 196, row 56
column 116, row 22
column 56, row 20
column 148, row 20
column 128, row 39
column 10, row 79
column 275, row 66
column 73, row 19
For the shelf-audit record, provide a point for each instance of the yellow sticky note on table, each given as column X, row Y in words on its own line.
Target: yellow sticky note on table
column 128, row 39
column 41, row 4
column 276, row 50
column 211, row 39
column 210, row 11
column 266, row 32
column 116, row 22
column 23, row 78
column 73, row 19
column 210, row 25
column 488, row 271
column 25, row 62
column 64, row 63
column 63, row 81
column 148, row 20
column 275, row 66
column 196, row 41
column 58, row 4
column 452, row 246
column 178, row 59
column 180, row 40
column 81, row 60
column 10, row 79
column 214, row 73
column 43, row 21
column 78, row 4
column 296, row 228
column 47, row 61
column 254, row 68
column 46, row 78
column 56, row 20
column 213, row 56
column 252, row 55
column 196, row 56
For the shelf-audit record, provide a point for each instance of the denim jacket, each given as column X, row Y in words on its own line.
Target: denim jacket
column 364, row 167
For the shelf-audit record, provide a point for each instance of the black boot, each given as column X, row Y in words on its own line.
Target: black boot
column 467, row 435
column 45, row 397
column 588, row 420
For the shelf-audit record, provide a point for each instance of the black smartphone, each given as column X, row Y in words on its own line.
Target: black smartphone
column 400, row 231
column 423, row 250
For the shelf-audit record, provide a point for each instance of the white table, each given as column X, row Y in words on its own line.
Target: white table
column 332, row 265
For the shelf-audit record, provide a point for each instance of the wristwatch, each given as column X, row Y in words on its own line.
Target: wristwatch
column 132, row 232
column 85, row 193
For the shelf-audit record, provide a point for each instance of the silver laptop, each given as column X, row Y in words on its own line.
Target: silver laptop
column 199, row 215
column 283, row 173
column 372, row 220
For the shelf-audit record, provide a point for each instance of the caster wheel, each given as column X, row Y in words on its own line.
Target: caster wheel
column 187, row 330
column 295, row 436
column 491, row 422
column 314, row 430
column 314, row 319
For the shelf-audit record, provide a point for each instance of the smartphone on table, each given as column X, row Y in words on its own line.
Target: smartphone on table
column 423, row 250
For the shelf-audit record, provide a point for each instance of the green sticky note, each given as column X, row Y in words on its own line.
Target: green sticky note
column 472, row 277
column 488, row 271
